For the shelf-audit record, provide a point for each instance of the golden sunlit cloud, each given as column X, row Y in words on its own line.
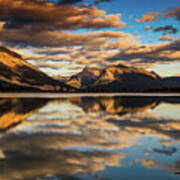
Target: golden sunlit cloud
column 149, row 16
column 166, row 37
column 48, row 16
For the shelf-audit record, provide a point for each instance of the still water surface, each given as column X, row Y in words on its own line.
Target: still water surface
column 90, row 138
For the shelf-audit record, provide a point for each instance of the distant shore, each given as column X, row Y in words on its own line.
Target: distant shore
column 66, row 95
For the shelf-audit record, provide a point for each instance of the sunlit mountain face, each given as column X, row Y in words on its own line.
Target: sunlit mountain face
column 62, row 37
column 90, row 138
column 17, row 75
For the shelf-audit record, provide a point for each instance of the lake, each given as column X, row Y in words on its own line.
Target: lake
column 89, row 137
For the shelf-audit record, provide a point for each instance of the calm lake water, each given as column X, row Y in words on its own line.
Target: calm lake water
column 90, row 138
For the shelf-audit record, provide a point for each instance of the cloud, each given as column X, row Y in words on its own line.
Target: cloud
column 23, row 37
column 168, row 13
column 78, row 1
column 174, row 13
column 56, row 130
column 125, row 50
column 49, row 16
column 163, row 52
column 123, row 43
column 69, row 1
column 100, row 1
column 86, row 49
column 53, row 51
column 149, row 16
column 148, row 163
column 39, row 24
column 49, row 30
column 170, row 151
column 166, row 37
column 147, row 28
column 96, row 49
column 55, row 66
column 167, row 28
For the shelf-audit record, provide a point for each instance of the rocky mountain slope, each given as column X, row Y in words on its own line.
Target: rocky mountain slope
column 85, row 78
column 117, row 78
column 16, row 74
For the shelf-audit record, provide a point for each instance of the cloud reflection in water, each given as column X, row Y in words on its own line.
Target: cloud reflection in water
column 89, row 137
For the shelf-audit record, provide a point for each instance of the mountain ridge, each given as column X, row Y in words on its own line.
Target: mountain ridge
column 18, row 74
column 118, row 78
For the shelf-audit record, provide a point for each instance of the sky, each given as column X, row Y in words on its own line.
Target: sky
column 61, row 37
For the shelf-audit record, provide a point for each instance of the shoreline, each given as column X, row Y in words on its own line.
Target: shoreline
column 66, row 95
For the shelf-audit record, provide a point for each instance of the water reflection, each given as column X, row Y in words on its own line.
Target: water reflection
column 90, row 138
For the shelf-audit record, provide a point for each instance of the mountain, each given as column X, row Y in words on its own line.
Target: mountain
column 16, row 74
column 117, row 78
column 125, row 78
column 85, row 78
column 172, row 82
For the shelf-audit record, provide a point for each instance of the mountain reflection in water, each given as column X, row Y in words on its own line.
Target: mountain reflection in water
column 90, row 138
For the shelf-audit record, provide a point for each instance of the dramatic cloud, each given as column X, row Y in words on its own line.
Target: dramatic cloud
column 125, row 50
column 149, row 16
column 164, row 52
column 167, row 28
column 77, row 32
column 40, row 16
column 23, row 37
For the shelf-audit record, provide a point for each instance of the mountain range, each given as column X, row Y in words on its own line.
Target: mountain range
column 122, row 78
column 16, row 74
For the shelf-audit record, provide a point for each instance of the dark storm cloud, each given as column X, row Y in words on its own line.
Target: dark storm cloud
column 167, row 28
